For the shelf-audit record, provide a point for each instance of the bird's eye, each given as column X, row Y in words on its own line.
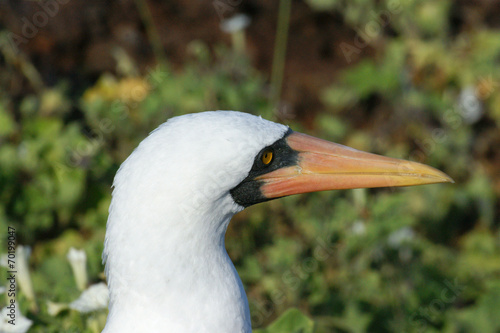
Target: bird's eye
column 267, row 157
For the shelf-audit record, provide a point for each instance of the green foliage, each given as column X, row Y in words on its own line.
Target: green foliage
column 424, row 259
column 292, row 321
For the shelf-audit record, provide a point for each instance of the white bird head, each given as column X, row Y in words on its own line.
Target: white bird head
column 175, row 195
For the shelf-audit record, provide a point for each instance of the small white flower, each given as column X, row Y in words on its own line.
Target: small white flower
column 22, row 324
column 3, row 260
column 400, row 236
column 235, row 23
column 2, row 290
column 23, row 276
column 358, row 228
column 25, row 251
column 470, row 105
column 54, row 308
column 96, row 297
column 235, row 26
column 78, row 261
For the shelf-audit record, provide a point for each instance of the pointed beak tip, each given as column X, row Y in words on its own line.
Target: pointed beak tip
column 442, row 179
column 426, row 171
column 422, row 174
column 448, row 179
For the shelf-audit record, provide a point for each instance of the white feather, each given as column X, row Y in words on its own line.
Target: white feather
column 166, row 263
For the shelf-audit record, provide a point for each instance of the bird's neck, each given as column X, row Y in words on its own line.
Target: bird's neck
column 174, row 274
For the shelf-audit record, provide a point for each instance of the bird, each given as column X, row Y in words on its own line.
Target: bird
column 166, row 264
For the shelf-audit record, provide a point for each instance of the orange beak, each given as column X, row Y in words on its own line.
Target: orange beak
column 324, row 165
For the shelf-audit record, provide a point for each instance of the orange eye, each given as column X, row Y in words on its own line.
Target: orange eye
column 267, row 157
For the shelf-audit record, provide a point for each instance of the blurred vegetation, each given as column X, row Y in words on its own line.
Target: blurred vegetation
column 423, row 259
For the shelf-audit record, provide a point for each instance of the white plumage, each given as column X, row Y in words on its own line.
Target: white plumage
column 166, row 264
column 173, row 198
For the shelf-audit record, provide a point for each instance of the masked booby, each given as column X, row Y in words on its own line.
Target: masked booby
column 166, row 263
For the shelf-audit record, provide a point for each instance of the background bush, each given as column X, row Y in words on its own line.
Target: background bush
column 423, row 259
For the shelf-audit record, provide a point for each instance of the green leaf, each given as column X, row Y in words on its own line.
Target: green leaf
column 292, row 321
